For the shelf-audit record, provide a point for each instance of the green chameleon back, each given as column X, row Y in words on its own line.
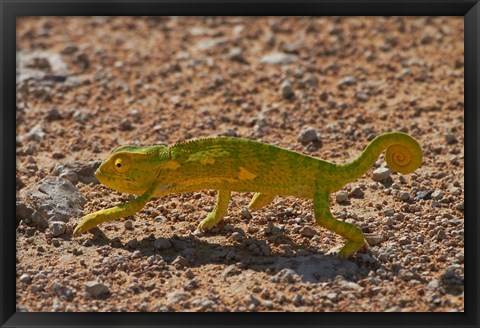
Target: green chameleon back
column 237, row 164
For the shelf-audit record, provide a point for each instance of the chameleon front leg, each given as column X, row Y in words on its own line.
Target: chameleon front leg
column 117, row 212
column 354, row 235
column 259, row 200
column 223, row 196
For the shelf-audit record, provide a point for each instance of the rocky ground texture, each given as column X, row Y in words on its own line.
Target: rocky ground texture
column 321, row 86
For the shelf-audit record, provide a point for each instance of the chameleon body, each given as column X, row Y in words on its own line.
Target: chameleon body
column 235, row 164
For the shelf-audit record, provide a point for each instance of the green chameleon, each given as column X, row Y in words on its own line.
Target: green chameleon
column 235, row 164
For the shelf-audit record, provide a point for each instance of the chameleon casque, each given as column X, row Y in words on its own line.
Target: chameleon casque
column 234, row 164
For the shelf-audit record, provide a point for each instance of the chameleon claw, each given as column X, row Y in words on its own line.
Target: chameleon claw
column 88, row 222
column 203, row 227
column 198, row 232
column 334, row 251
column 79, row 229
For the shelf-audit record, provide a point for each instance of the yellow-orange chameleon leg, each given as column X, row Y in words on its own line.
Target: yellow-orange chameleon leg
column 218, row 212
column 259, row 200
column 354, row 235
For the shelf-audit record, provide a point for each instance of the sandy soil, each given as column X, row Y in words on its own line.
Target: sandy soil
column 88, row 85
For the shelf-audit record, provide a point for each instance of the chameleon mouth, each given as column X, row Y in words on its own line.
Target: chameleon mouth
column 104, row 177
column 100, row 174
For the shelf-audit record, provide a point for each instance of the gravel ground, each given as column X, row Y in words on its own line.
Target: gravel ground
column 320, row 86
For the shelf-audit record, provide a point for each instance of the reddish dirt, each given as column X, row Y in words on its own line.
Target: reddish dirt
column 123, row 81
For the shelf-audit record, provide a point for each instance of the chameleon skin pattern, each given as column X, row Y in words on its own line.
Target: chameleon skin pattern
column 235, row 164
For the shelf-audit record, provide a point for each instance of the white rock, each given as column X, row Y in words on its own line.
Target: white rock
column 25, row 278
column 278, row 58
column 57, row 228
column 95, row 288
column 176, row 297
column 341, row 197
column 381, row 174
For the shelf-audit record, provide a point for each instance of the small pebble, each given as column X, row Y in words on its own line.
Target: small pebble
column 36, row 133
column 57, row 228
column 381, row 174
column 460, row 206
column 189, row 274
column 246, row 215
column 404, row 241
column 341, row 197
column 347, row 81
column 404, row 195
column 177, row 297
column 278, row 58
column 53, row 114
column 250, row 299
column 128, row 224
column 406, row 275
column 332, row 296
column 203, row 304
column 308, row 135
column 25, row 278
column 96, row 288
column 425, row 195
column 81, row 117
column 307, row 232
column 284, row 276
column 297, row 300
column 437, row 195
column 361, row 96
column 133, row 243
column 441, row 235
column 162, row 243
column 58, row 155
column 237, row 236
column 56, row 242
column 180, row 261
column 357, row 192
column 286, row 90
column 126, row 125
column 236, row 54
column 191, row 285
column 450, row 138
column 433, row 285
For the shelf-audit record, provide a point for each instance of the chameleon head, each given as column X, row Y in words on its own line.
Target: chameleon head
column 130, row 169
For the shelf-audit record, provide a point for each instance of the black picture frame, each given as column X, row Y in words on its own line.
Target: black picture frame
column 11, row 9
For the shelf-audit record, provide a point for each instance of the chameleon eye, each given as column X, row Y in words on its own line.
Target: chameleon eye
column 122, row 164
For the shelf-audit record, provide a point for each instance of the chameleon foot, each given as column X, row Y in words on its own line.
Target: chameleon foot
column 218, row 212
column 351, row 248
column 206, row 224
column 323, row 216
column 90, row 221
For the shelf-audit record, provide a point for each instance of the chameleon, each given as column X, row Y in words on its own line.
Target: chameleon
column 232, row 164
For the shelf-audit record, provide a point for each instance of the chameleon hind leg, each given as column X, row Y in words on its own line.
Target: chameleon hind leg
column 324, row 218
column 259, row 200
column 219, row 211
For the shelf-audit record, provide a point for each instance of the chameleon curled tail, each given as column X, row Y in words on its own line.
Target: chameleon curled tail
column 403, row 155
